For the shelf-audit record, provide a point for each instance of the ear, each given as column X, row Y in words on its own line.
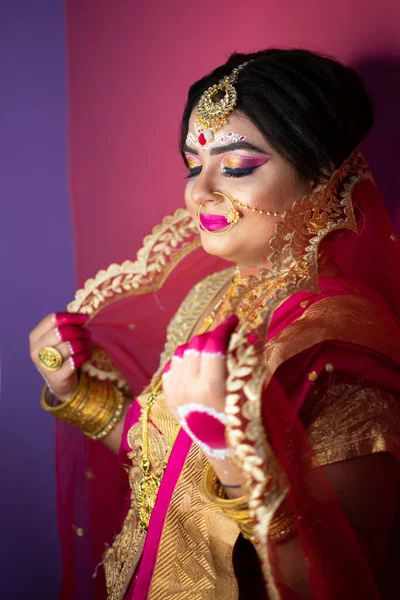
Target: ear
column 326, row 173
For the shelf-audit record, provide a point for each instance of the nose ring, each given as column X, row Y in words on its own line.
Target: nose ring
column 232, row 215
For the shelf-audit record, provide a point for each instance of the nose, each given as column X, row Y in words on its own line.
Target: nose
column 202, row 191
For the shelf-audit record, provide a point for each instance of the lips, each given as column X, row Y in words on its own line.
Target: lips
column 214, row 222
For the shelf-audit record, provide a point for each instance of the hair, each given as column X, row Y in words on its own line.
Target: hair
column 313, row 110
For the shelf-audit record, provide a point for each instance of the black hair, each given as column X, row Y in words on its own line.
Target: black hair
column 313, row 110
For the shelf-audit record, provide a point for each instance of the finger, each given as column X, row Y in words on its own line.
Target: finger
column 166, row 369
column 66, row 318
column 216, row 342
column 66, row 333
column 45, row 325
column 54, row 338
column 253, row 338
column 68, row 349
column 213, row 356
column 177, row 361
column 77, row 360
column 192, row 358
column 179, row 352
column 197, row 342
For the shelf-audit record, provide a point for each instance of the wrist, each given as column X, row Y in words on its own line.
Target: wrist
column 228, row 477
column 95, row 407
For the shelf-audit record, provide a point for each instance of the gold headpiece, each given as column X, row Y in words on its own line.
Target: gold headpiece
column 212, row 114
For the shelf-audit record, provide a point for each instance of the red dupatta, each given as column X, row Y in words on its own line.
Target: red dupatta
column 355, row 314
column 130, row 306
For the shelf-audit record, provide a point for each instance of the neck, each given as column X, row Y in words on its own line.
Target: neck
column 246, row 270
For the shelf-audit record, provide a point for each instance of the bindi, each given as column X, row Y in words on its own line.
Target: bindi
column 201, row 138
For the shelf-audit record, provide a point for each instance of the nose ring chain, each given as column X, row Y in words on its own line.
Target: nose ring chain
column 233, row 215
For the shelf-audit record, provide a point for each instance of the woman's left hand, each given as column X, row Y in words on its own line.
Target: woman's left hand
column 197, row 371
column 194, row 384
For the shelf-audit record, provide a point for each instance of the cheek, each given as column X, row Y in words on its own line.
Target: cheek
column 190, row 205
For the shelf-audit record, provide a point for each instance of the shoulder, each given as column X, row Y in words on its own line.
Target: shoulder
column 345, row 318
column 346, row 420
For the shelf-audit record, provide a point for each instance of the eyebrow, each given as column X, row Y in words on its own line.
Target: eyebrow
column 222, row 149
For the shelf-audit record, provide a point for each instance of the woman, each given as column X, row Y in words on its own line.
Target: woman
column 282, row 370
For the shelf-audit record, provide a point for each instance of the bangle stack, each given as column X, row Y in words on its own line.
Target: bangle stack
column 95, row 407
column 282, row 525
column 234, row 508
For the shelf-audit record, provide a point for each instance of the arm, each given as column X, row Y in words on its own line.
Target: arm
column 113, row 440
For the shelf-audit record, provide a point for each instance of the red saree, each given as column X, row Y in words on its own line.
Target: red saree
column 332, row 322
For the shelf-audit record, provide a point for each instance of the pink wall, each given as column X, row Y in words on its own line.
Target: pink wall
column 130, row 67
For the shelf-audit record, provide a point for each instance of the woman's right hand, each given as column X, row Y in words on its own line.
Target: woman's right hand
column 66, row 332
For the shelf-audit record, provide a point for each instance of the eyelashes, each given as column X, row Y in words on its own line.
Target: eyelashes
column 225, row 171
column 193, row 172
column 238, row 172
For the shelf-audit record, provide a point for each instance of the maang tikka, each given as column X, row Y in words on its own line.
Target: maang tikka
column 212, row 114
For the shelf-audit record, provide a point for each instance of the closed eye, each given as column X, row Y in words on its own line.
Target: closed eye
column 193, row 172
column 238, row 172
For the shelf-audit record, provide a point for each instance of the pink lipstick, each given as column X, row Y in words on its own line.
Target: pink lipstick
column 213, row 222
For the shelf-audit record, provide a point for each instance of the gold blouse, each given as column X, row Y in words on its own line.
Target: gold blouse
column 346, row 421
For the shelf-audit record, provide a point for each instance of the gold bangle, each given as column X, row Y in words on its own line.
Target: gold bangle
column 235, row 508
column 70, row 404
column 282, row 526
column 95, row 407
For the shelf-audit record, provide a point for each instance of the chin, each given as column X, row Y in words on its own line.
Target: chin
column 219, row 246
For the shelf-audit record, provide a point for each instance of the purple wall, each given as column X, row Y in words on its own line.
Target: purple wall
column 37, row 277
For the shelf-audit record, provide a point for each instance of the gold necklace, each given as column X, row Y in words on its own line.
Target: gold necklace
column 150, row 483
column 209, row 320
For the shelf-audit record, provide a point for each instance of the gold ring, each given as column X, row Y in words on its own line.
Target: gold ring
column 50, row 358
column 232, row 211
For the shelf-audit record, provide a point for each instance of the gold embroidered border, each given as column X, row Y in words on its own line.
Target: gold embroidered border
column 189, row 312
column 195, row 554
column 102, row 367
column 172, row 240
column 121, row 560
column 345, row 421
column 294, row 260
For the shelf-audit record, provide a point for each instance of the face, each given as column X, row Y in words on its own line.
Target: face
column 251, row 172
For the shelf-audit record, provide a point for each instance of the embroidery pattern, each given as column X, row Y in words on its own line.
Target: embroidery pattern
column 345, row 421
column 294, row 259
column 167, row 245
column 102, row 367
column 120, row 561
column 184, row 320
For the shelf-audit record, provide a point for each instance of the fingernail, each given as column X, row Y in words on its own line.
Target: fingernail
column 167, row 368
column 54, row 318
column 232, row 319
column 82, row 317
column 253, row 338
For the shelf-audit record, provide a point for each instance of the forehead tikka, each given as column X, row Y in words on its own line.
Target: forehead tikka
column 212, row 114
